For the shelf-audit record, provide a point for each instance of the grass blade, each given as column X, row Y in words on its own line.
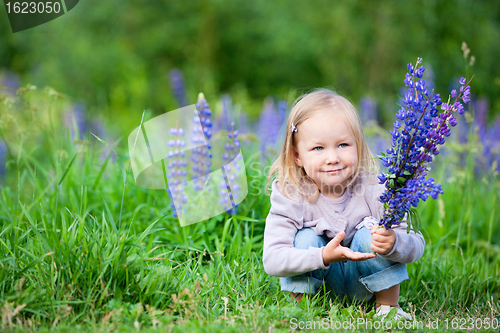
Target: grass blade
column 69, row 165
column 122, row 168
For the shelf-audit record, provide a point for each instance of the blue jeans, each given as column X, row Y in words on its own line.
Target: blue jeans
column 354, row 280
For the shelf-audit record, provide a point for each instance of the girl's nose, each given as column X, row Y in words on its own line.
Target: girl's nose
column 332, row 158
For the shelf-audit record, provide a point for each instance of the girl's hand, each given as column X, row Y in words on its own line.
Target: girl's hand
column 382, row 239
column 334, row 252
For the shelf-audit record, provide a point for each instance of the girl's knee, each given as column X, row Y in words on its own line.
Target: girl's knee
column 306, row 237
column 362, row 240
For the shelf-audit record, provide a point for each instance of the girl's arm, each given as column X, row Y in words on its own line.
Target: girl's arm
column 284, row 220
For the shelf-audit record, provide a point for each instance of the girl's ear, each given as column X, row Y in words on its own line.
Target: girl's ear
column 296, row 157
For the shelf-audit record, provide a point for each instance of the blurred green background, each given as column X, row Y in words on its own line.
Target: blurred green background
column 114, row 55
column 81, row 243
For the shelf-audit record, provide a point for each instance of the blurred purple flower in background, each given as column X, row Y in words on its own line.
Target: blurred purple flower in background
column 491, row 144
column 368, row 110
column 269, row 124
column 232, row 118
column 378, row 144
column 370, row 118
column 75, row 119
column 201, row 157
column 481, row 109
column 489, row 136
column 232, row 149
column 3, row 154
column 429, row 77
column 9, row 82
column 463, row 128
column 176, row 167
column 205, row 115
column 229, row 124
column 97, row 127
column 222, row 121
column 178, row 87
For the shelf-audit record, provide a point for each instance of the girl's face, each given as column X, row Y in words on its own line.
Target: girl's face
column 328, row 152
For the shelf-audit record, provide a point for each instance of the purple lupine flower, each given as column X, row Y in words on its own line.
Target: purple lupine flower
column 230, row 193
column 481, row 109
column 225, row 197
column 3, row 154
column 490, row 140
column 75, row 119
column 232, row 148
column 223, row 119
column 204, row 113
column 232, row 113
column 178, row 87
column 479, row 126
column 269, row 123
column 463, row 129
column 98, row 128
column 229, row 122
column 9, row 82
column 415, row 140
column 201, row 157
column 368, row 110
column 176, row 166
column 245, row 125
column 492, row 146
column 377, row 143
column 429, row 77
column 466, row 93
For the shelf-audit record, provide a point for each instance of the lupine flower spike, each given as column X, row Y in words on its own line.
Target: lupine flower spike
column 201, row 158
column 418, row 131
column 232, row 148
column 178, row 87
column 177, row 168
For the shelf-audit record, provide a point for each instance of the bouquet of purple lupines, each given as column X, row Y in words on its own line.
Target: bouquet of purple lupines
column 418, row 131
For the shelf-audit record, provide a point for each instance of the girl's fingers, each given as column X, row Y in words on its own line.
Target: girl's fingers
column 358, row 255
column 379, row 244
column 381, row 231
column 381, row 238
column 365, row 256
column 338, row 238
column 376, row 229
column 376, row 248
column 381, row 248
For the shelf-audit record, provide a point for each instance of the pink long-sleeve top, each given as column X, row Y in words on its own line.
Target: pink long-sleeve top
column 361, row 207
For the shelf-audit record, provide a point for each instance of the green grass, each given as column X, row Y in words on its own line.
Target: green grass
column 73, row 258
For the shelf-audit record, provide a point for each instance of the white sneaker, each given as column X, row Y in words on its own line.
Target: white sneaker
column 383, row 310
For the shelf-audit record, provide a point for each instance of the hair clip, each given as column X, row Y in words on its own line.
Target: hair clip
column 294, row 129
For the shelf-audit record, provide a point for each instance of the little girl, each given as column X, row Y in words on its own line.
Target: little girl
column 325, row 208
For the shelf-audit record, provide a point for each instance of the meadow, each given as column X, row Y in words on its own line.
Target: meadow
column 82, row 248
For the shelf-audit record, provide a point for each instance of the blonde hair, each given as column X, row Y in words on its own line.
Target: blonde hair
column 303, row 108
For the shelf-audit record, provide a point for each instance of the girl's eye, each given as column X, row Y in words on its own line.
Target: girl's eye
column 318, row 148
column 342, row 145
